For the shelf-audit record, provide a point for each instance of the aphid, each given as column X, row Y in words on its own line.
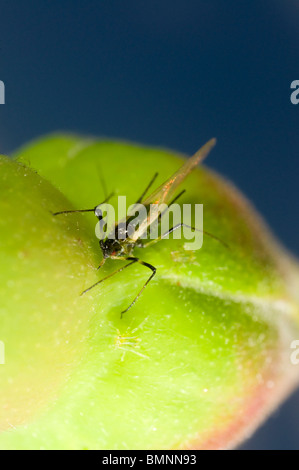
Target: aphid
column 122, row 248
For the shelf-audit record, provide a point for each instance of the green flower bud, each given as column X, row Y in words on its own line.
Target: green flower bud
column 202, row 357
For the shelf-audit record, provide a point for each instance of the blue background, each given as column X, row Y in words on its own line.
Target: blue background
column 169, row 73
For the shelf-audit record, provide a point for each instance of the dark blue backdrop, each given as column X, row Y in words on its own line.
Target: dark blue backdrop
column 171, row 73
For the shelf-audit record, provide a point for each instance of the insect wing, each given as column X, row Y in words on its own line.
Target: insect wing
column 163, row 193
column 166, row 190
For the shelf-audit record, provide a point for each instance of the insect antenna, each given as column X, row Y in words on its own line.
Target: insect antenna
column 102, row 180
column 84, row 210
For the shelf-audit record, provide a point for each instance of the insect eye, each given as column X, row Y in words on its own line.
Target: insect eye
column 98, row 213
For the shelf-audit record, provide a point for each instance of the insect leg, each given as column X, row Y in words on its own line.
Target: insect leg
column 177, row 197
column 152, row 268
column 176, row 227
column 101, row 263
column 171, row 203
column 147, row 188
column 140, row 244
column 109, row 275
